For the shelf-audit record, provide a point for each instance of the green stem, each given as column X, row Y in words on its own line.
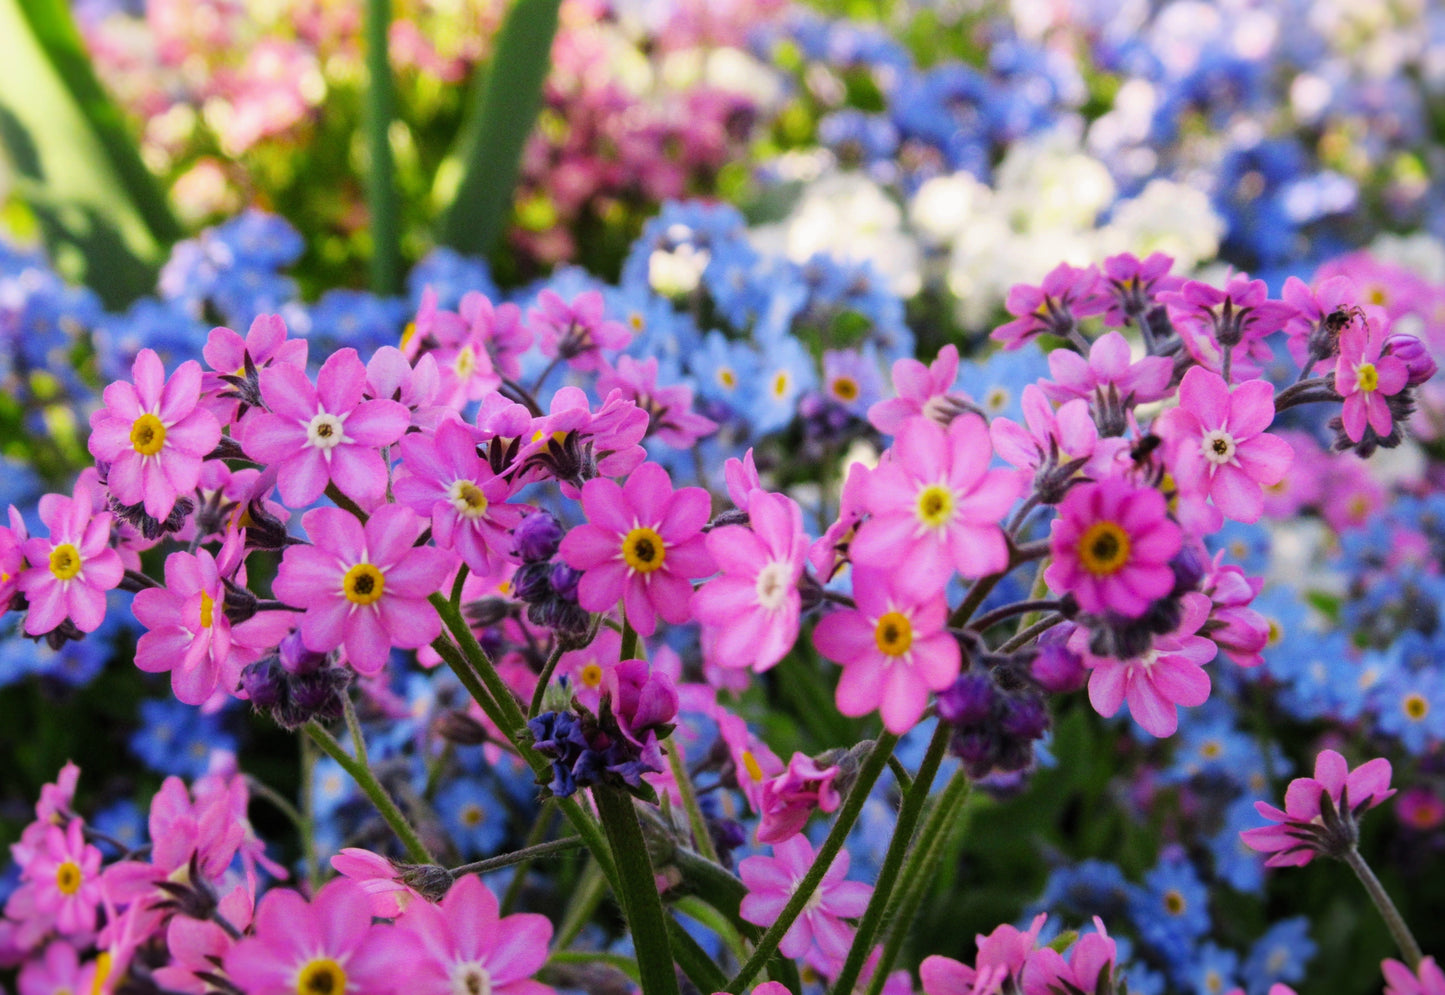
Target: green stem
column 701, row 838
column 416, row 851
column 544, row 679
column 917, row 877
column 353, row 726
column 898, row 847
column 381, row 194
column 585, row 899
column 502, row 696
column 693, row 959
column 1404, row 939
column 534, row 836
column 629, row 640
column 308, row 812
column 282, row 804
column 858, row 794
column 626, row 965
column 345, row 503
column 457, row 585
column 523, row 856
column 640, row 901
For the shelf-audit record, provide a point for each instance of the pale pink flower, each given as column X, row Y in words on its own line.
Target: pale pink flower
column 922, row 390
column 771, row 881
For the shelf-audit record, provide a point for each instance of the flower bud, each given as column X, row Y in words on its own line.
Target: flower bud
column 264, row 683
column 536, row 537
column 1412, row 352
column 296, row 658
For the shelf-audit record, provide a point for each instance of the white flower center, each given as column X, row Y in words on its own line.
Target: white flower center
column 467, row 498
column 1218, row 447
column 774, row 582
column 471, row 978
column 326, row 431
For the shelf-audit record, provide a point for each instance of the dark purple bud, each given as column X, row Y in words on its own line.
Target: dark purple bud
column 564, row 581
column 533, row 582
column 1025, row 718
column 1188, row 567
column 458, row 727
column 1057, row 668
column 969, row 700
column 264, row 683
column 536, row 537
column 1412, row 352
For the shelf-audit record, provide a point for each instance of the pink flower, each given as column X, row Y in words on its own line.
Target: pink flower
column 62, row 880
column 1428, row 979
column 1320, row 315
column 771, row 881
column 500, row 327
column 1219, row 447
column 571, row 442
column 197, row 947
column 328, row 945
column 922, row 390
column 1001, row 955
column 443, row 477
column 1091, row 958
column 643, row 544
column 153, row 435
column 749, row 615
column 58, row 970
column 833, row 549
column 190, row 635
column 72, row 569
column 378, row 877
column 324, row 432
column 1212, row 322
column 576, row 332
column 364, row 587
column 1067, row 294
column 936, row 505
column 228, row 354
column 1051, row 438
column 669, row 408
column 894, row 649
column 463, row 945
column 1111, row 546
column 1364, row 377
column 791, row 797
column 1132, row 286
column 1110, row 376
column 1168, row 674
column 1320, row 812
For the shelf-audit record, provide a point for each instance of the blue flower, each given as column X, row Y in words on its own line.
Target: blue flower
column 1234, row 862
column 450, row 274
column 174, row 738
column 473, row 814
column 1171, row 909
column 1213, row 970
column 1279, row 956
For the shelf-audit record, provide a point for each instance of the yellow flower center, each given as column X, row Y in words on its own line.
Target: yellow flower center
column 64, row 561
column 845, row 389
column 473, row 816
column 935, row 506
column 322, row 976
column 467, row 498
column 590, row 675
column 147, row 435
column 780, row 385
column 208, row 607
column 1104, row 549
column 466, row 363
column 408, row 333
column 1416, row 707
column 363, row 584
column 727, row 378
column 68, row 877
column 1367, row 378
column 893, row 634
column 637, row 321
column 1174, row 902
column 750, row 764
column 643, row 550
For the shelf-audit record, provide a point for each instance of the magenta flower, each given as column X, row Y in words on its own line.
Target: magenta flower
column 56, row 971
column 364, row 587
column 1321, row 313
column 1219, row 447
column 1169, row 674
column 894, row 648
column 62, row 880
column 749, row 614
column 500, row 327
column 1067, row 294
column 72, row 569
column 1091, row 958
column 1364, row 376
column 644, row 701
column 571, row 441
column 227, row 355
column 1428, row 979
column 669, row 408
column 1133, row 285
column 324, row 432
column 1320, row 812
column 771, row 881
column 791, row 797
column 922, row 390
column 153, row 434
column 464, row 945
column 326, row 946
column 444, row 478
column 576, row 332
column 1212, row 322
column 936, row 505
column 1111, row 546
column 642, row 544
column 190, row 635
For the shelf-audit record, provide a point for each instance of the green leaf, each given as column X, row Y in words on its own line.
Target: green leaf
column 477, row 180
column 77, row 167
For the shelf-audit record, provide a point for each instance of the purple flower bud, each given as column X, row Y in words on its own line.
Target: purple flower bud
column 537, row 537
column 643, row 700
column 264, row 683
column 968, row 701
column 1412, row 352
column 1059, row 669
column 532, row 582
column 564, row 581
column 296, row 658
